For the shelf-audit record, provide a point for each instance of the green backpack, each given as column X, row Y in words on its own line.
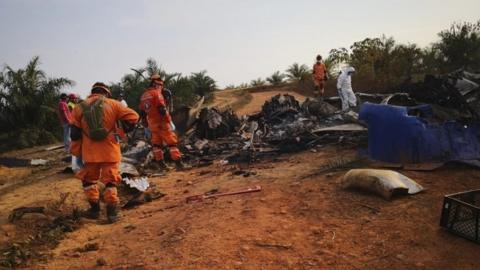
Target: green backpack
column 93, row 115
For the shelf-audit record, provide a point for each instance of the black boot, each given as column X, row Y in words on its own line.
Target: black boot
column 180, row 165
column 93, row 212
column 112, row 214
column 162, row 166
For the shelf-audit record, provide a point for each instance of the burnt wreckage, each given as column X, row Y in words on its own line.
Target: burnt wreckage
column 445, row 107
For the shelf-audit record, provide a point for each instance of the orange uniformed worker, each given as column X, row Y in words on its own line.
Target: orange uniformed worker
column 153, row 108
column 320, row 76
column 95, row 138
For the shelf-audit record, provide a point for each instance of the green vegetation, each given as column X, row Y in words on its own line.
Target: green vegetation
column 298, row 73
column 276, row 78
column 383, row 64
column 257, row 82
column 186, row 89
column 28, row 106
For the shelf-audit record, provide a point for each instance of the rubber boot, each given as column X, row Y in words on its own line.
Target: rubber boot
column 93, row 212
column 112, row 213
column 162, row 166
column 179, row 165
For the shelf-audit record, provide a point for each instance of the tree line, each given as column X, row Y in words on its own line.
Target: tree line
column 382, row 63
column 28, row 98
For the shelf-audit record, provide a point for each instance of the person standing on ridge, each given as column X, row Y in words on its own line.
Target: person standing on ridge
column 344, row 88
column 320, row 76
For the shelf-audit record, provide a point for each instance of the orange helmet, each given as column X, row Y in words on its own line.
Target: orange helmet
column 102, row 86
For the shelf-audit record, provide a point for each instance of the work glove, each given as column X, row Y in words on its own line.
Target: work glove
column 128, row 126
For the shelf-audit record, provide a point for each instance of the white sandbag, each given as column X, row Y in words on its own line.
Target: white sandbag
column 382, row 182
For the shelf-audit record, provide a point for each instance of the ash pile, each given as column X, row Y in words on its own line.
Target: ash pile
column 283, row 125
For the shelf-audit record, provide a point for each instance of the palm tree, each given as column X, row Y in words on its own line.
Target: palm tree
column 257, row 82
column 276, row 78
column 297, row 73
column 28, row 102
column 202, row 83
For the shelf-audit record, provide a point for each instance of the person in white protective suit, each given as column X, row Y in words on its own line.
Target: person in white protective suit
column 344, row 87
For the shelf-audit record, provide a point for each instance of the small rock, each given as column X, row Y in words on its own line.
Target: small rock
column 328, row 175
column 129, row 227
column 400, row 256
column 76, row 255
column 189, row 183
column 245, row 248
column 101, row 262
column 263, row 200
column 419, row 265
column 88, row 247
column 283, row 212
column 180, row 230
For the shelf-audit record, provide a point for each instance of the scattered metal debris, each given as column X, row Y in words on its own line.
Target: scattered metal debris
column 284, row 125
column 209, row 195
column 141, row 184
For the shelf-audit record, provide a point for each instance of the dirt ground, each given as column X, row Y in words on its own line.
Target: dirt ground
column 297, row 221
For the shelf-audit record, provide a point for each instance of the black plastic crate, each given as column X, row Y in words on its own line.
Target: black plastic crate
column 461, row 214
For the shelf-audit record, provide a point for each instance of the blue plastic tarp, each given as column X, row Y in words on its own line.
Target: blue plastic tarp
column 395, row 136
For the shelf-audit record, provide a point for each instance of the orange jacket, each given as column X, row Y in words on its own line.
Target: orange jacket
column 107, row 150
column 319, row 71
column 150, row 102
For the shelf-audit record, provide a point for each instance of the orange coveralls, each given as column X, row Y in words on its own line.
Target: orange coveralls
column 101, row 158
column 319, row 76
column 162, row 134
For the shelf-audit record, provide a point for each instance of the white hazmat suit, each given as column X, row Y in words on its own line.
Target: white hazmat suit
column 345, row 91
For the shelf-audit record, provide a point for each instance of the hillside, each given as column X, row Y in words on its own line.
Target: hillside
column 300, row 219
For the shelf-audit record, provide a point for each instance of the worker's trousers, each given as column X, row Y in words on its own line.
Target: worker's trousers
column 165, row 136
column 108, row 173
column 66, row 137
column 348, row 98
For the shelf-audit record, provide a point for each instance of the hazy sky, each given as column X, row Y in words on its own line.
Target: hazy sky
column 235, row 41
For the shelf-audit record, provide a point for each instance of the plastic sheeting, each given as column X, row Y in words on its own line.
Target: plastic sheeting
column 395, row 136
